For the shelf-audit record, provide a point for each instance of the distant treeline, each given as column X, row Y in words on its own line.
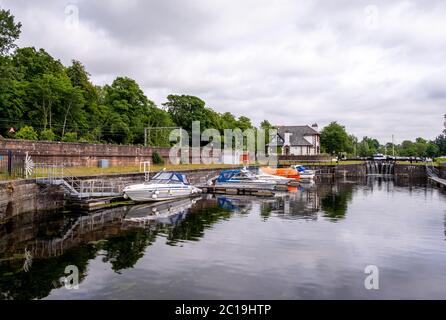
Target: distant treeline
column 41, row 99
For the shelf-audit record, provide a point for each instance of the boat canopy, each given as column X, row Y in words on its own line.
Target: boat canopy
column 171, row 176
column 227, row 175
column 301, row 168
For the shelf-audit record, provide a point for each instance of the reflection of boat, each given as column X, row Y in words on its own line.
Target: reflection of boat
column 290, row 172
column 243, row 179
column 240, row 204
column 168, row 212
column 304, row 173
column 163, row 186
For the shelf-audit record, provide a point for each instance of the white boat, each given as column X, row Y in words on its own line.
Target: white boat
column 243, row 179
column 304, row 173
column 163, row 186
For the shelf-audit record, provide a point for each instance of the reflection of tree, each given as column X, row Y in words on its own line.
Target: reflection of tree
column 43, row 275
column 265, row 210
column 335, row 203
column 193, row 226
column 124, row 250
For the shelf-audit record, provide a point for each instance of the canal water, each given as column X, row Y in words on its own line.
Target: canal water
column 312, row 243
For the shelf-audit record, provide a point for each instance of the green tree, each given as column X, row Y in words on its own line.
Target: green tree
column 334, row 139
column 70, row 137
column 9, row 31
column 185, row 109
column 47, row 135
column 26, row 133
column 129, row 111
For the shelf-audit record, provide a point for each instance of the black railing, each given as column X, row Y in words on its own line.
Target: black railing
column 12, row 164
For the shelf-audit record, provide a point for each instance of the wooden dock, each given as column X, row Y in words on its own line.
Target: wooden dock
column 92, row 204
column 438, row 180
column 237, row 191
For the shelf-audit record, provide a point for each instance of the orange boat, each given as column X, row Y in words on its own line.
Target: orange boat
column 290, row 172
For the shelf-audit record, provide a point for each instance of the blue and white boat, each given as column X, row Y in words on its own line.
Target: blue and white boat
column 304, row 173
column 243, row 179
column 163, row 186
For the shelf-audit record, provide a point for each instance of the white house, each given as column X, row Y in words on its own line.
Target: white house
column 296, row 140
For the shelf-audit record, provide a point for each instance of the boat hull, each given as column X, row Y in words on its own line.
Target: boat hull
column 153, row 194
column 245, row 185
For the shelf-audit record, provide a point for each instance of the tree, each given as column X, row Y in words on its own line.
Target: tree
column 70, row 137
column 185, row 109
column 26, row 133
column 244, row 123
column 432, row 150
column 334, row 139
column 440, row 141
column 47, row 135
column 129, row 111
column 9, row 31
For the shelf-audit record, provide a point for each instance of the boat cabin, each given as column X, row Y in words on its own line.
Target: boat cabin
column 170, row 177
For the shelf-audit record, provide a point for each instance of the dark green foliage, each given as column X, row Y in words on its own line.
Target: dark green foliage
column 156, row 158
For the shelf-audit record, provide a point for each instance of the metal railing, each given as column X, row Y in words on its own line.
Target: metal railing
column 58, row 174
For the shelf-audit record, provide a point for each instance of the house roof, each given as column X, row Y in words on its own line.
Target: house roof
column 296, row 137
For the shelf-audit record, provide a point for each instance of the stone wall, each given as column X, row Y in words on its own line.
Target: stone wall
column 21, row 196
column 410, row 171
column 442, row 169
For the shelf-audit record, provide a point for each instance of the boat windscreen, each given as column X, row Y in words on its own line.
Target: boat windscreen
column 163, row 176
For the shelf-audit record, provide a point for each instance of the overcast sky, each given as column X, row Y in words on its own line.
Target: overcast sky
column 376, row 67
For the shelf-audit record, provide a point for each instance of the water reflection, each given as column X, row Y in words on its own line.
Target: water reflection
column 122, row 236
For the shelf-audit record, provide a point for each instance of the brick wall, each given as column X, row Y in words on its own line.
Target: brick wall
column 82, row 154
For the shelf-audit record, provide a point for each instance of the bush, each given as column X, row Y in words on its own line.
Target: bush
column 47, row 135
column 156, row 158
column 70, row 137
column 26, row 133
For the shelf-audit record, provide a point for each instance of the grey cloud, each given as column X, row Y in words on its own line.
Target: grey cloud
column 375, row 67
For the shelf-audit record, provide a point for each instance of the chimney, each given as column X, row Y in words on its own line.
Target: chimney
column 287, row 139
column 315, row 127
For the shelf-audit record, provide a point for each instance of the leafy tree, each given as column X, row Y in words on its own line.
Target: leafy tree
column 47, row 135
column 70, row 137
column 244, row 123
column 334, row 139
column 9, row 31
column 26, row 133
column 185, row 109
column 440, row 141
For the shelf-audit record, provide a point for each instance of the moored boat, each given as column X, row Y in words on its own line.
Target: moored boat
column 289, row 172
column 163, row 186
column 304, row 173
column 243, row 179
